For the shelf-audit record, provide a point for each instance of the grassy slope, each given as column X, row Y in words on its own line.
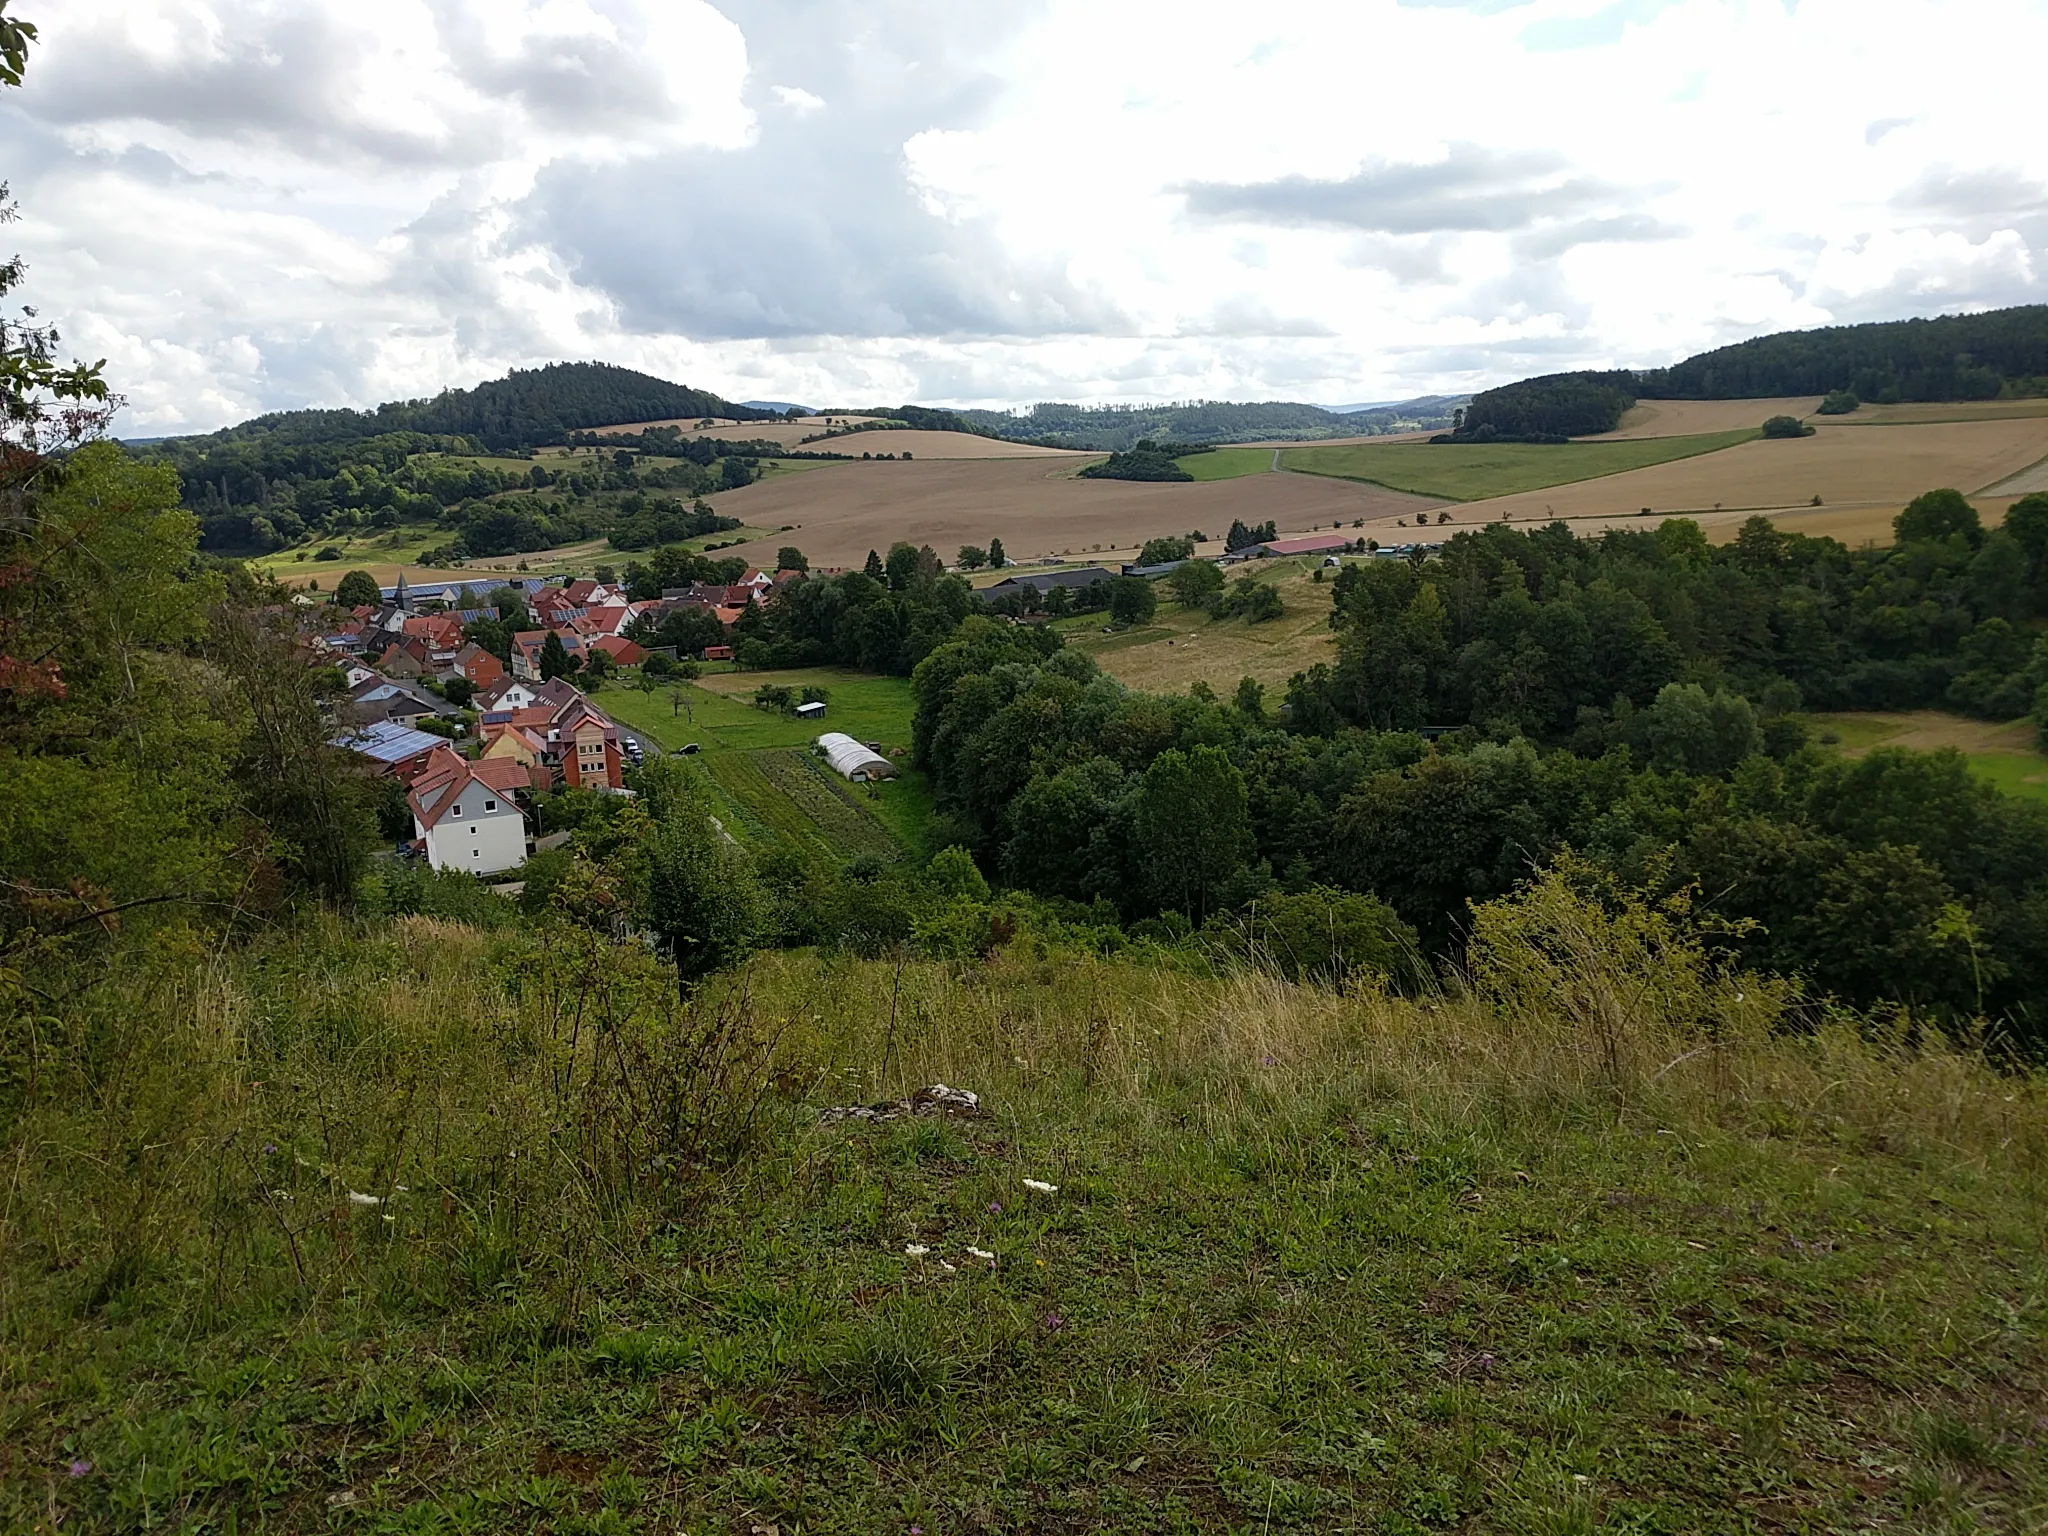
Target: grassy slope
column 1313, row 1265
column 1181, row 646
column 1227, row 463
column 1473, row 472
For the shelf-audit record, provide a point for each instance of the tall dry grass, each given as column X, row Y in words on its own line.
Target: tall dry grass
column 422, row 1111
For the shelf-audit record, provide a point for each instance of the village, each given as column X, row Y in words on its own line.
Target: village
column 419, row 693
column 473, row 739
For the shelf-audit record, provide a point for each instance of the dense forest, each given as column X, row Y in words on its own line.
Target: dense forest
column 272, row 481
column 1631, row 699
column 1952, row 357
column 1114, row 428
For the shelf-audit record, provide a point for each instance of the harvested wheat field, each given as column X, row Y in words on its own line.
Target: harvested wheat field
column 1690, row 418
column 1910, row 414
column 784, row 434
column 1844, row 466
column 839, row 513
column 940, row 445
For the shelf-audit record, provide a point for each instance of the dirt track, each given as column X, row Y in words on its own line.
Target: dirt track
column 839, row 513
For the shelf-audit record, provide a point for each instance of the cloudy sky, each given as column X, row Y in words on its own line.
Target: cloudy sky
column 247, row 206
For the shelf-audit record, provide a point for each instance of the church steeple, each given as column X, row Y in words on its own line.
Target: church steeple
column 403, row 596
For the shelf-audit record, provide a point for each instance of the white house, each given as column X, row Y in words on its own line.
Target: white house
column 465, row 814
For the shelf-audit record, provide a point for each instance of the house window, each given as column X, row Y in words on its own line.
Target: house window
column 490, row 805
column 456, row 812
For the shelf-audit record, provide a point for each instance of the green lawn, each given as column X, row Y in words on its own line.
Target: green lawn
column 1227, row 463
column 1474, row 472
column 869, row 708
column 2025, row 777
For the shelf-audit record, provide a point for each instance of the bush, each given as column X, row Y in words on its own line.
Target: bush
column 1328, row 937
column 1787, row 426
column 1840, row 402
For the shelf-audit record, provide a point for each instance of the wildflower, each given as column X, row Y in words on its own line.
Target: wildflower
column 1266, row 1060
column 916, row 1250
column 80, row 1467
column 949, row 1269
column 355, row 1198
column 980, row 1253
column 1052, row 1322
column 995, row 1207
column 270, row 1149
column 1041, row 1186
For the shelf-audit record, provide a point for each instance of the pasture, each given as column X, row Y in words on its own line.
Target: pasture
column 1481, row 471
column 2004, row 753
column 1228, row 463
column 1037, row 509
column 775, row 805
column 1184, row 646
column 1868, row 467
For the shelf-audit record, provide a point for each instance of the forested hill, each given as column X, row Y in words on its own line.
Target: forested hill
column 1953, row 357
column 525, row 409
column 1114, row 428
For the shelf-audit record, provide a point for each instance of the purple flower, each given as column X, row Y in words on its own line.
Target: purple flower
column 1484, row 1363
column 270, row 1149
column 80, row 1467
column 995, row 1208
column 1265, row 1061
column 1053, row 1322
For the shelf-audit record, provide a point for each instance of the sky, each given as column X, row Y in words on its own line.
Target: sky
column 251, row 205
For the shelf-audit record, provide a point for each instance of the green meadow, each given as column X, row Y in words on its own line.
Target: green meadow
column 1477, row 471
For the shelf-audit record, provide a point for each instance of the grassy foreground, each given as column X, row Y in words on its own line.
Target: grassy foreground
column 1478, row 471
column 423, row 1229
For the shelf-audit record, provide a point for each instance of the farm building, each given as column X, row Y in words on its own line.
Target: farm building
column 1307, row 544
column 814, row 710
column 854, row 761
column 1045, row 581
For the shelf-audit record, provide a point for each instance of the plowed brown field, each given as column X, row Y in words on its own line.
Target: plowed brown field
column 839, row 513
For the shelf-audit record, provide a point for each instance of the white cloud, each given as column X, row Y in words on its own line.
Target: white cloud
column 250, row 204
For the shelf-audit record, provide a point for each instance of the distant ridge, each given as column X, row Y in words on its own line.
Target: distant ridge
column 527, row 408
column 780, row 407
column 2000, row 352
column 1115, row 428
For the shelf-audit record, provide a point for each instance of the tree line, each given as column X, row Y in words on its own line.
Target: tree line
column 1895, row 881
column 1950, row 357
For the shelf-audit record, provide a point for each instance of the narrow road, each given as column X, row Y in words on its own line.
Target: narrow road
column 1276, row 458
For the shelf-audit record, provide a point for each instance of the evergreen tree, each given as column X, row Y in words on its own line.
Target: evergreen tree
column 996, row 558
column 554, row 658
column 874, row 569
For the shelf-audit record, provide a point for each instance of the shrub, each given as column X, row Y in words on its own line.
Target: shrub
column 1786, row 426
column 1840, row 402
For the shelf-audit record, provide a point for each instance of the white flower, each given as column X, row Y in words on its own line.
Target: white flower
column 980, row 1253
column 916, row 1250
column 947, row 1267
column 360, row 1199
column 1041, row 1186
